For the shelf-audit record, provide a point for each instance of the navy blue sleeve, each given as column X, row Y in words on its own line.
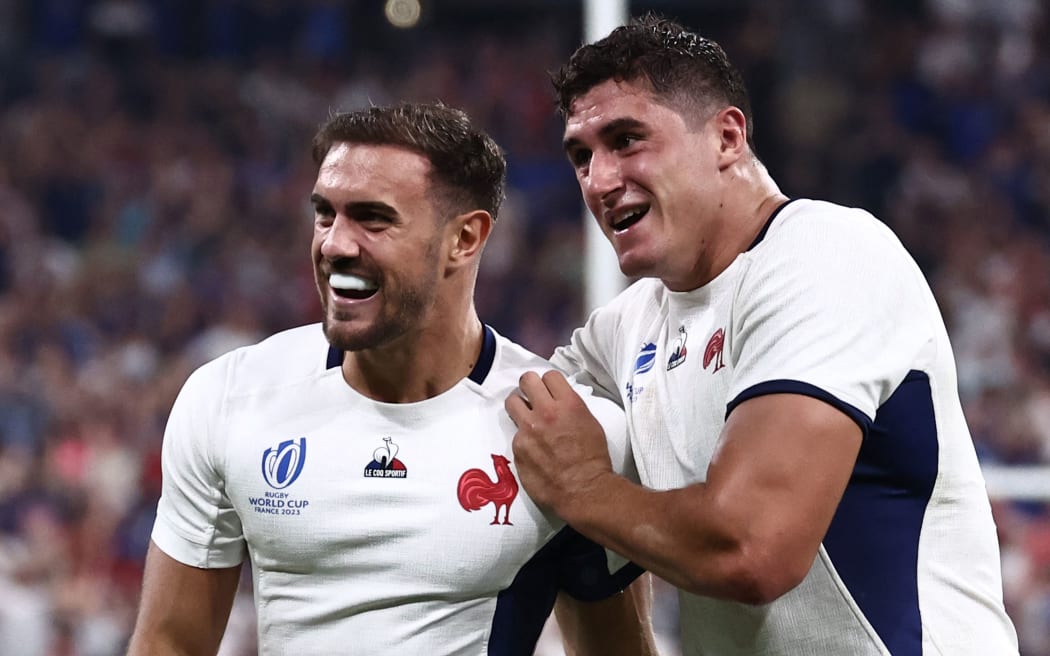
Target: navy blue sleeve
column 584, row 572
column 568, row 562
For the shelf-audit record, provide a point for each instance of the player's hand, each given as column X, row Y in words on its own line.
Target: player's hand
column 559, row 449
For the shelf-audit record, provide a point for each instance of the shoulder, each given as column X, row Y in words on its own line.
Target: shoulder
column 283, row 358
column 642, row 294
column 638, row 304
column 513, row 360
column 814, row 224
column 597, row 351
column 828, row 246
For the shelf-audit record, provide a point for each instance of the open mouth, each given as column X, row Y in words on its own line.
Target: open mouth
column 630, row 219
column 350, row 286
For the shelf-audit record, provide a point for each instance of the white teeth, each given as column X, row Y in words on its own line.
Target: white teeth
column 351, row 283
column 628, row 218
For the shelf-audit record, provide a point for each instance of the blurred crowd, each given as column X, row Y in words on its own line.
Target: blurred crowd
column 154, row 186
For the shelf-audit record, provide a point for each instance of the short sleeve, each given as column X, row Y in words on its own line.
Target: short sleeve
column 196, row 523
column 589, row 357
column 833, row 307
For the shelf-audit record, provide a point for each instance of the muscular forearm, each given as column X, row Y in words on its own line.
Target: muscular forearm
column 684, row 536
column 750, row 532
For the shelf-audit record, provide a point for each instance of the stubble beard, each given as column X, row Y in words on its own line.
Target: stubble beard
column 397, row 316
column 409, row 310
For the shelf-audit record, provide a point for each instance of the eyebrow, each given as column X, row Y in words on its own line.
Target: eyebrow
column 616, row 125
column 357, row 206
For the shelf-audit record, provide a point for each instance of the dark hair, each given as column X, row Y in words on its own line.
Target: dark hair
column 682, row 67
column 466, row 163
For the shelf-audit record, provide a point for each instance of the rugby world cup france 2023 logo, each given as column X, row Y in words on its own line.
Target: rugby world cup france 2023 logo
column 283, row 463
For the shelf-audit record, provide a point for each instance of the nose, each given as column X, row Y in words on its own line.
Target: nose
column 603, row 177
column 340, row 240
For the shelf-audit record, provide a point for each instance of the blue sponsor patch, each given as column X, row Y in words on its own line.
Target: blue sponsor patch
column 646, row 358
column 642, row 364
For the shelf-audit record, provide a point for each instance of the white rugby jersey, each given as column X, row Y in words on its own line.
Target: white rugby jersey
column 825, row 303
column 372, row 528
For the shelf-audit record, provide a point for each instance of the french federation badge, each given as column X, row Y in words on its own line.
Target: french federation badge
column 713, row 352
column 476, row 489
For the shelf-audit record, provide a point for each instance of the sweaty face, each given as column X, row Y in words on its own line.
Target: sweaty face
column 648, row 177
column 376, row 244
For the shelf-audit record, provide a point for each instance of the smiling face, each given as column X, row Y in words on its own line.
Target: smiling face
column 376, row 245
column 652, row 181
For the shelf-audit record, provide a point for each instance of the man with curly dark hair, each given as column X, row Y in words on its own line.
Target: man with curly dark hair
column 808, row 478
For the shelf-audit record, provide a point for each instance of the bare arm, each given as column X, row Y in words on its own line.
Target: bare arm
column 617, row 626
column 183, row 610
column 750, row 533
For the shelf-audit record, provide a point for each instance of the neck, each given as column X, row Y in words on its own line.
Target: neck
column 419, row 365
column 747, row 208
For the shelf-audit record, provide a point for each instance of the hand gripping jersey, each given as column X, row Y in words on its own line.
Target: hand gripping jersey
column 826, row 303
column 372, row 528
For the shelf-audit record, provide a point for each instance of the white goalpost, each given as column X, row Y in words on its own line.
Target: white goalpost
column 602, row 277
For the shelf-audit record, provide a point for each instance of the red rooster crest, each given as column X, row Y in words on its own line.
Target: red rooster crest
column 714, row 350
column 476, row 489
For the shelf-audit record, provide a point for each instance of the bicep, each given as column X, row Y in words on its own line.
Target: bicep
column 781, row 467
column 620, row 624
column 183, row 609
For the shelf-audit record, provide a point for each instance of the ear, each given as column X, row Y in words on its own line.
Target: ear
column 467, row 236
column 732, row 130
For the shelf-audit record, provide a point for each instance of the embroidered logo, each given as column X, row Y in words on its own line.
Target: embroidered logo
column 385, row 463
column 713, row 352
column 283, row 463
column 678, row 350
column 476, row 489
column 642, row 364
column 646, row 358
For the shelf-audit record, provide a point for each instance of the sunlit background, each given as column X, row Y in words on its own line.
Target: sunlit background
column 154, row 183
